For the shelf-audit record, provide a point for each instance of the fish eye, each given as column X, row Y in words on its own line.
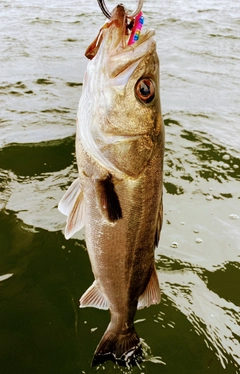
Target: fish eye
column 145, row 90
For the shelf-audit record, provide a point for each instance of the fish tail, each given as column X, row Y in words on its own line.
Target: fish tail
column 122, row 348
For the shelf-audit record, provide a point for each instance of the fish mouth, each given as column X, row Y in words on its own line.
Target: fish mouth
column 145, row 40
column 115, row 48
column 122, row 31
column 119, row 52
column 125, row 58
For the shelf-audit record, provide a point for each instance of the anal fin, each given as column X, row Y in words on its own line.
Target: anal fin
column 93, row 297
column 152, row 293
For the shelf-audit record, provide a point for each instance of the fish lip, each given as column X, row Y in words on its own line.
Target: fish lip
column 145, row 37
column 124, row 60
column 145, row 45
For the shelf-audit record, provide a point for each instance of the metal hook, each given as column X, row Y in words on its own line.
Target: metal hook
column 107, row 14
column 137, row 10
column 104, row 9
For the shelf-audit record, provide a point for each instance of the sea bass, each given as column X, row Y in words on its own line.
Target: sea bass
column 118, row 195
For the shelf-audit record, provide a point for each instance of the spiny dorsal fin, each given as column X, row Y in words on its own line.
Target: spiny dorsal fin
column 93, row 297
column 72, row 205
column 108, row 199
column 152, row 293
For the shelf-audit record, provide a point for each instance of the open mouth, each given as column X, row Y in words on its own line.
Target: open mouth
column 128, row 28
column 124, row 60
column 145, row 39
column 123, row 29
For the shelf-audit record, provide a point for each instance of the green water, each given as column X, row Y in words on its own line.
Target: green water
column 42, row 327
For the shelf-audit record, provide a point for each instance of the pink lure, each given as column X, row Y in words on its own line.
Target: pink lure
column 138, row 24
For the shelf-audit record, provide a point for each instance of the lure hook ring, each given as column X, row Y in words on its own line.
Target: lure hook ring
column 107, row 14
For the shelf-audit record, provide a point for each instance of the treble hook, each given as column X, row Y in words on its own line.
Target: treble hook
column 107, row 14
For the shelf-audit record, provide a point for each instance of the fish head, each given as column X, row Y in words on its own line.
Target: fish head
column 120, row 89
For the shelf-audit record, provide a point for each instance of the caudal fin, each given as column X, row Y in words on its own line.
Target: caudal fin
column 124, row 349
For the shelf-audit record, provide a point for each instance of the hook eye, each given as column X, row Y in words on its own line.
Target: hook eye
column 107, row 14
column 104, row 8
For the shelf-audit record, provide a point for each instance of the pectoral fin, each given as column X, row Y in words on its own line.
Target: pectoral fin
column 108, row 199
column 152, row 293
column 93, row 297
column 72, row 205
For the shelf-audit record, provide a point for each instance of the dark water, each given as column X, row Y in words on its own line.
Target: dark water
column 196, row 328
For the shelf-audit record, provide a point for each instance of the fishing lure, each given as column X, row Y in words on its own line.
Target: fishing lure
column 137, row 26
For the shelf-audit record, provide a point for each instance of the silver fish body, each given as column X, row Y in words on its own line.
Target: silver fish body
column 118, row 195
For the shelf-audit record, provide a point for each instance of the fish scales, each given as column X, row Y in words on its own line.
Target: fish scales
column 118, row 195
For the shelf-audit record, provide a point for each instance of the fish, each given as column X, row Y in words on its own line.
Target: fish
column 117, row 196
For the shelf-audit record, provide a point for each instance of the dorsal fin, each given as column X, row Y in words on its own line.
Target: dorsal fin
column 159, row 224
column 108, row 199
column 72, row 205
column 152, row 293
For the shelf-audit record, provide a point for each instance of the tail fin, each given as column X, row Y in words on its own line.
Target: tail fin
column 122, row 348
